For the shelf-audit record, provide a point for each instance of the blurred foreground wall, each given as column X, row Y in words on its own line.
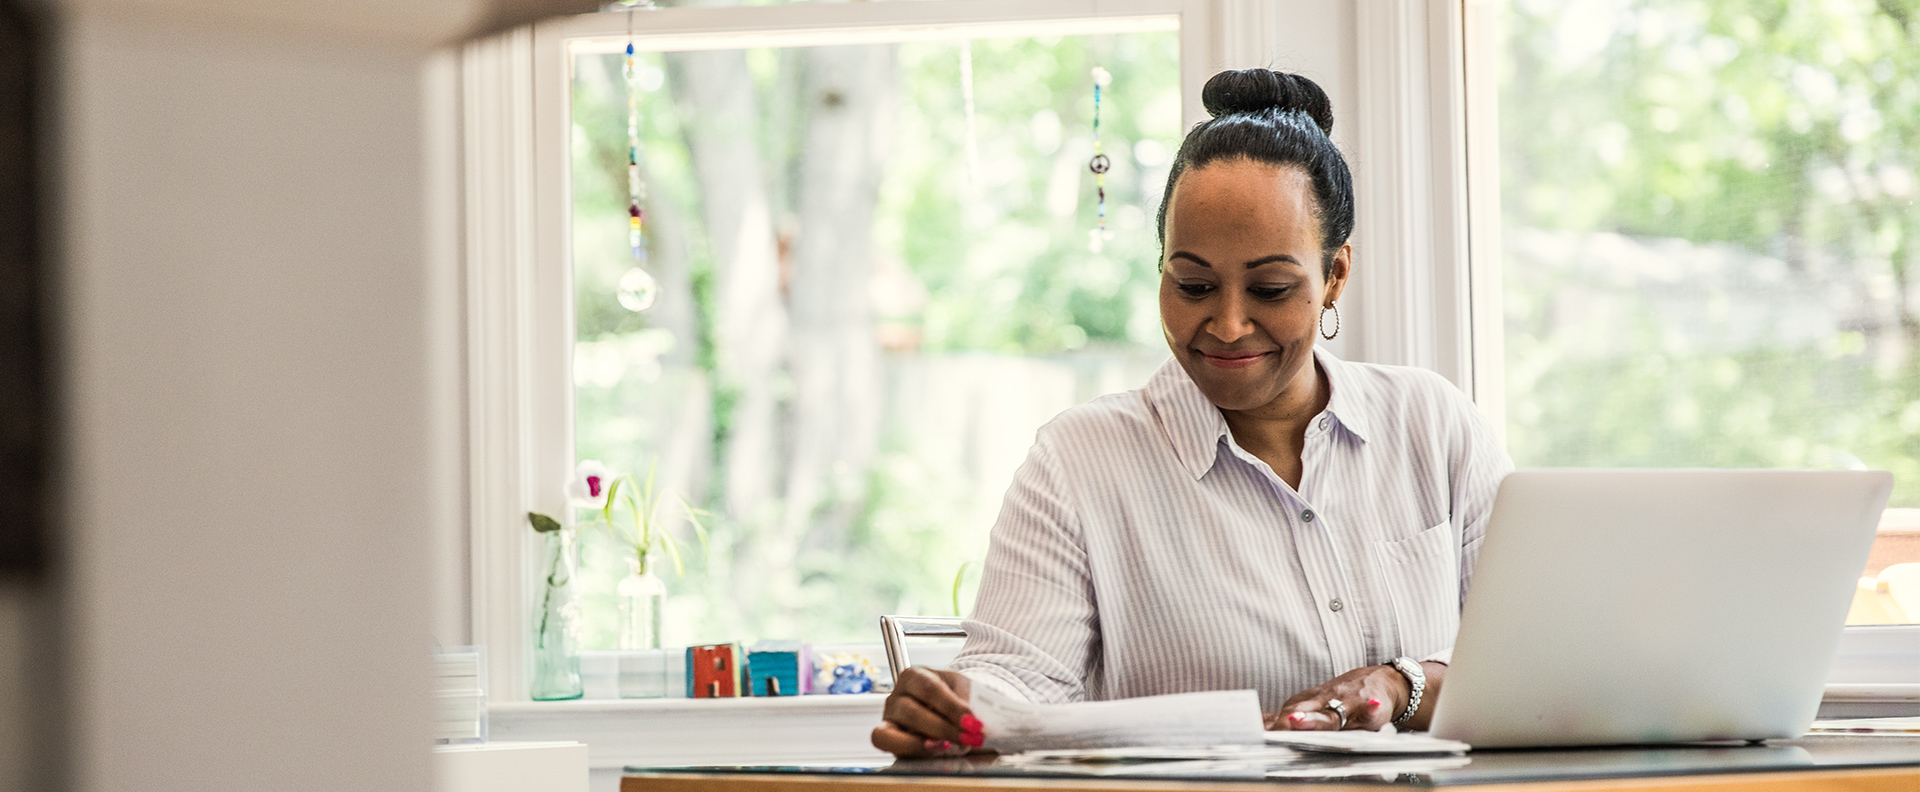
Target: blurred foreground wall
column 252, row 321
column 244, row 331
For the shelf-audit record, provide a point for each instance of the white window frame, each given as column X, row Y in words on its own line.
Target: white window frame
column 1426, row 291
column 1877, row 669
column 520, row 321
column 1392, row 68
column 1411, row 261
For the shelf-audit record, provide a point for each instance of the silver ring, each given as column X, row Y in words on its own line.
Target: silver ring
column 1337, row 706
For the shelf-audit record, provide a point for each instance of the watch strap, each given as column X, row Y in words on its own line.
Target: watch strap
column 1416, row 685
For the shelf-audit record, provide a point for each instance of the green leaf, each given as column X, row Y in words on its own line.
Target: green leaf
column 612, row 532
column 699, row 528
column 959, row 577
column 673, row 549
column 542, row 523
column 645, row 521
column 634, row 512
column 606, row 509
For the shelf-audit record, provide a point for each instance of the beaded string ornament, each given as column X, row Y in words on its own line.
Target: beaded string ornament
column 637, row 288
column 1097, row 238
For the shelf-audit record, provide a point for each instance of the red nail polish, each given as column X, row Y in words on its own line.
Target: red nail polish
column 1373, row 702
column 1295, row 717
column 931, row 745
column 970, row 723
column 972, row 739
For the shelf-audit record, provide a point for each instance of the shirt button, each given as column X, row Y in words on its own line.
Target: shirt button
column 1306, row 515
column 1326, row 422
column 1335, row 605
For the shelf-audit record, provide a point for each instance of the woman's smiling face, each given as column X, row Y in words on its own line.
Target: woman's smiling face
column 1243, row 283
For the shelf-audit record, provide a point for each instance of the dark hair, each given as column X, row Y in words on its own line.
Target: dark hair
column 1278, row 119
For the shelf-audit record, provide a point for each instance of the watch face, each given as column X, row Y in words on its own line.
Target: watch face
column 1412, row 669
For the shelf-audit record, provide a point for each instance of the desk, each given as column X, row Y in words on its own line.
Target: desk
column 1816, row 763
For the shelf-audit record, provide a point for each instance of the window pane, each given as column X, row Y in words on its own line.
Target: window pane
column 875, row 282
column 1711, row 246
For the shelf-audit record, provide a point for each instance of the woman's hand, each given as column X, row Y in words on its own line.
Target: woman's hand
column 927, row 715
column 1373, row 696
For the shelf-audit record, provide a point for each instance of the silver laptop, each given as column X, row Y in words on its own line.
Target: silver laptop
column 1653, row 606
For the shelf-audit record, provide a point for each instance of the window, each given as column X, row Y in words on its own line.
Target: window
column 876, row 280
column 551, row 207
column 1711, row 246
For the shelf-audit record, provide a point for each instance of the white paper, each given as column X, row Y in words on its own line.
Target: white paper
column 1361, row 741
column 1265, row 753
column 1385, row 769
column 1898, row 725
column 1183, row 720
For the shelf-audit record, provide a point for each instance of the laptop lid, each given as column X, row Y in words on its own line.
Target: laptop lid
column 1650, row 606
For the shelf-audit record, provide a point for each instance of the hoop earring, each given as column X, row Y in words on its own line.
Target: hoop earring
column 1336, row 321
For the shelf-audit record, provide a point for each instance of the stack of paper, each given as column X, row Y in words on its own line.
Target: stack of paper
column 1906, row 726
column 460, row 695
column 1185, row 720
column 1259, row 753
column 1361, row 741
column 1387, row 770
column 1217, row 725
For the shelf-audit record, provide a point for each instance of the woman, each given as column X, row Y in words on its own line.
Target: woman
column 1262, row 514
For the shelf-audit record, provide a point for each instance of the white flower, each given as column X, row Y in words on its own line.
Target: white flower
column 588, row 489
column 1102, row 77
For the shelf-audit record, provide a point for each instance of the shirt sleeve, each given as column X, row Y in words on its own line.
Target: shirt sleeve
column 1476, row 464
column 1034, row 631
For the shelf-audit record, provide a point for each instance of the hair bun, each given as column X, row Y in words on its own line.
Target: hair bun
column 1255, row 90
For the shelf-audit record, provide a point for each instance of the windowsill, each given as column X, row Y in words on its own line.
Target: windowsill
column 821, row 729
column 816, row 729
column 681, row 732
column 1854, row 691
column 1850, row 691
column 731, row 706
column 1861, row 700
column 1875, row 673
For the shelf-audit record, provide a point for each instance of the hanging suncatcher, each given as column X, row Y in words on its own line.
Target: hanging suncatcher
column 1097, row 238
column 637, row 287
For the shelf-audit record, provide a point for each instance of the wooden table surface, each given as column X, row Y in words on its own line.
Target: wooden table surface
column 1902, row 779
column 1821, row 763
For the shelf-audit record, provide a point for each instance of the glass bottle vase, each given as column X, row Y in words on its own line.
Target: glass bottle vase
column 556, row 656
column 642, row 595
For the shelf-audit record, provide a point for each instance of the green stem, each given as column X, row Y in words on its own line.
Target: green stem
column 546, row 602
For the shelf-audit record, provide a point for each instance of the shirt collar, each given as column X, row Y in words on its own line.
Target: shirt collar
column 1195, row 427
column 1345, row 403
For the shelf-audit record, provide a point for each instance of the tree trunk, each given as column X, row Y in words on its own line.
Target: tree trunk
column 686, row 452
column 721, row 118
column 677, row 310
column 836, row 356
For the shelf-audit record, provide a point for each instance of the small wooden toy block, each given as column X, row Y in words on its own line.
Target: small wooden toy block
column 779, row 668
column 714, row 671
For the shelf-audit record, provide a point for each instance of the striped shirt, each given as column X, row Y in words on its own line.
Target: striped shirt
column 1141, row 551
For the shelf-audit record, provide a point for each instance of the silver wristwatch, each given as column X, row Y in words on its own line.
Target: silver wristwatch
column 1416, row 681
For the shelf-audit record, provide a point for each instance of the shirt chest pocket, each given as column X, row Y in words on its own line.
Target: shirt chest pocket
column 1422, row 577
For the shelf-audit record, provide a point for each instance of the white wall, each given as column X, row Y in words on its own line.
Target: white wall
column 20, row 707
column 13, row 688
column 1308, row 37
column 1314, row 38
column 1389, row 67
column 250, row 363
